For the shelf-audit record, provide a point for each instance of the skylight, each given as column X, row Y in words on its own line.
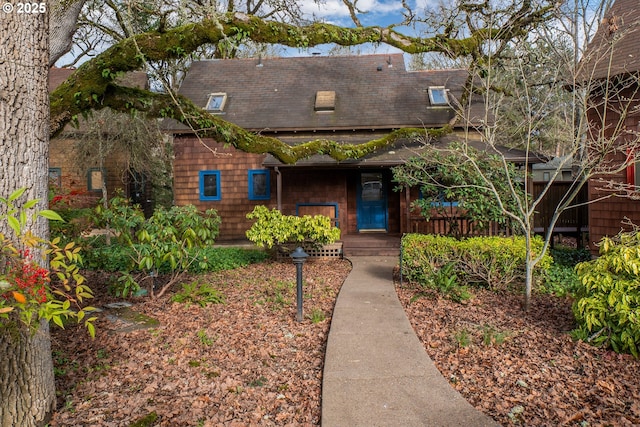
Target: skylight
column 325, row 100
column 438, row 95
column 216, row 102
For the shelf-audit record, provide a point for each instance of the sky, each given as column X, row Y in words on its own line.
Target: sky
column 376, row 13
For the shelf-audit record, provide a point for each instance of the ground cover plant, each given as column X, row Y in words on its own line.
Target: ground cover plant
column 227, row 351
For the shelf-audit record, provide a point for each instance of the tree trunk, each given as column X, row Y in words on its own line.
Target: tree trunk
column 27, row 393
column 26, row 375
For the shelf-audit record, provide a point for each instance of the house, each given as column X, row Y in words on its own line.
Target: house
column 80, row 180
column 612, row 62
column 348, row 99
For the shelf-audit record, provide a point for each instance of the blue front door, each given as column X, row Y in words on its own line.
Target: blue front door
column 372, row 202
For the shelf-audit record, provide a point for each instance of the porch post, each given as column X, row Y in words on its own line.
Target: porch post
column 407, row 209
column 278, row 189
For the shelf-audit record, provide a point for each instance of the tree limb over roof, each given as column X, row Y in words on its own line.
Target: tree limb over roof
column 93, row 86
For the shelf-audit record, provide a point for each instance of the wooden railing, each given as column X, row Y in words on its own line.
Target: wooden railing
column 458, row 226
column 572, row 222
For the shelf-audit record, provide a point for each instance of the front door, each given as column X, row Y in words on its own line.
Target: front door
column 372, row 202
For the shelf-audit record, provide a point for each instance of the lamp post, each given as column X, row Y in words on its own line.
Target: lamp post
column 299, row 257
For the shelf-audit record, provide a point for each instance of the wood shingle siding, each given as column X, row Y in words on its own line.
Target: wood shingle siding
column 193, row 156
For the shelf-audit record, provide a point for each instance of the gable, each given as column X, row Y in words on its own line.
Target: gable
column 615, row 48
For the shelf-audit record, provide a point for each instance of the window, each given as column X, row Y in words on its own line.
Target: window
column 259, row 184
column 55, row 177
column 216, row 102
column 439, row 201
column 325, row 101
column 210, row 185
column 438, row 95
column 95, row 177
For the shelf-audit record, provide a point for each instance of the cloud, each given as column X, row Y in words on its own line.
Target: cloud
column 334, row 11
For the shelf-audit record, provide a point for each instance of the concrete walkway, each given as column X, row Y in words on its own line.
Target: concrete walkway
column 376, row 371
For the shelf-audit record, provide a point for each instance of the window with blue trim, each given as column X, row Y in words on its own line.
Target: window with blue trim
column 439, row 201
column 259, row 184
column 210, row 185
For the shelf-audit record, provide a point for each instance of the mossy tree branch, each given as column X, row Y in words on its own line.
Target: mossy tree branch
column 207, row 125
column 93, row 86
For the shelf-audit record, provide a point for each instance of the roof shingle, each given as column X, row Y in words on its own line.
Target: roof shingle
column 279, row 94
column 615, row 48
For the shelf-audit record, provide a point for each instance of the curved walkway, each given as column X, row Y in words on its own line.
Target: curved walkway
column 376, row 370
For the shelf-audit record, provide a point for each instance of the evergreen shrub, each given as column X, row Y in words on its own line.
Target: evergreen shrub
column 492, row 262
column 607, row 306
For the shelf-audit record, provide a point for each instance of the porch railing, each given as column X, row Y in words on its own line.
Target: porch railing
column 572, row 222
column 458, row 226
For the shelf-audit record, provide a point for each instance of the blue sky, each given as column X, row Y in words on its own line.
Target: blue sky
column 377, row 13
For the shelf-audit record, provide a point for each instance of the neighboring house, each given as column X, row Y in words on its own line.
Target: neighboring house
column 613, row 57
column 545, row 171
column 80, row 180
column 349, row 99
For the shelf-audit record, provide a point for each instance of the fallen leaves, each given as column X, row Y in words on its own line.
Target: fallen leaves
column 248, row 362
column 245, row 362
column 536, row 375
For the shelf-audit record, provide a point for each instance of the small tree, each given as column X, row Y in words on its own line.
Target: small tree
column 446, row 178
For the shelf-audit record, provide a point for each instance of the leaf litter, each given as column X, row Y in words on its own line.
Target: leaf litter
column 248, row 362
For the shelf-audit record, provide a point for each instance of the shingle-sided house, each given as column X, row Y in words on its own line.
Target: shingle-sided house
column 348, row 99
column 613, row 57
column 82, row 178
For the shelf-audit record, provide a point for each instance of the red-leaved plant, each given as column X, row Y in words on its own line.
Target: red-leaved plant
column 29, row 290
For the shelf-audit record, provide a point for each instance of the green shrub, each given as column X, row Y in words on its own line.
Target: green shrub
column 607, row 306
column 98, row 255
column 198, row 293
column 271, row 228
column 560, row 280
column 569, row 256
column 494, row 262
column 210, row 259
column 164, row 243
column 75, row 221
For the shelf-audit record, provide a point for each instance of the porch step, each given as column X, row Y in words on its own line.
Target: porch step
column 371, row 245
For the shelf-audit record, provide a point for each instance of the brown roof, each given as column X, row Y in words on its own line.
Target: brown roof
column 137, row 79
column 617, row 42
column 279, row 94
column 57, row 76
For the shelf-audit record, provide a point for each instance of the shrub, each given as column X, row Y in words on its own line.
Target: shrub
column 29, row 292
column 164, row 243
column 198, row 293
column 560, row 280
column 569, row 256
column 274, row 229
column 98, row 255
column 209, row 259
column 75, row 221
column 607, row 306
column 494, row 262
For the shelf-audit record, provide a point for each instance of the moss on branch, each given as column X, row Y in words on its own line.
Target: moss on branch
column 205, row 125
column 93, row 86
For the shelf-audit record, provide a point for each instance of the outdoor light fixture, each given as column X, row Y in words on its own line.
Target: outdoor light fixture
column 299, row 257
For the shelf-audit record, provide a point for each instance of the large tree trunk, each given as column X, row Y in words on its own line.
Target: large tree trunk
column 26, row 376
column 27, row 393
